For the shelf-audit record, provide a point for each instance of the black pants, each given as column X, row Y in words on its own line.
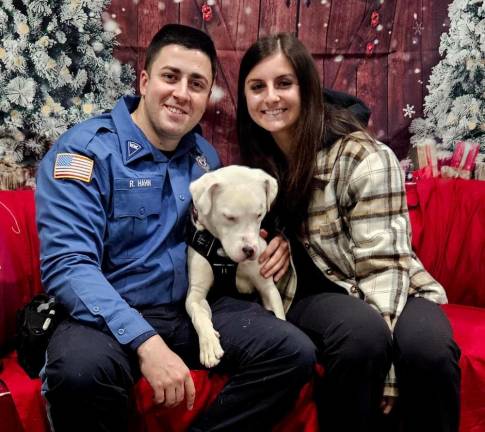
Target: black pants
column 356, row 348
column 88, row 375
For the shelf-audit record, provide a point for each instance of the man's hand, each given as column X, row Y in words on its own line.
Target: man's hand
column 166, row 372
column 387, row 404
column 275, row 258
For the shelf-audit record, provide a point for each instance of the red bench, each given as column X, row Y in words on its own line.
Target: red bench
column 448, row 220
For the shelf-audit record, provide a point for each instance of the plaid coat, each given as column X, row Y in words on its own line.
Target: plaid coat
column 358, row 230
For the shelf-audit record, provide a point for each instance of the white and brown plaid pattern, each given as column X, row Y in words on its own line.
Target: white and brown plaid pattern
column 358, row 230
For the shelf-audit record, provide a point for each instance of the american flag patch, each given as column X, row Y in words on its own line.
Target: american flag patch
column 73, row 166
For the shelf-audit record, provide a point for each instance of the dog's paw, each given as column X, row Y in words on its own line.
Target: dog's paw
column 211, row 351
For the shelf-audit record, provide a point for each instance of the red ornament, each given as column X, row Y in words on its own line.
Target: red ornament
column 206, row 12
column 374, row 19
column 369, row 48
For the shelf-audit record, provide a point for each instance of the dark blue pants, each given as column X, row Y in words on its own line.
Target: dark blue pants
column 88, row 375
column 356, row 348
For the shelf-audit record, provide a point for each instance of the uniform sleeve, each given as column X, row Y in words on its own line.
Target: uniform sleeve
column 379, row 232
column 72, row 223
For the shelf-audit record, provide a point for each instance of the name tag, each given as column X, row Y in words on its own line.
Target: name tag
column 138, row 183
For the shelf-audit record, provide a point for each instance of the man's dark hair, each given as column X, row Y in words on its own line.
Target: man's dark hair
column 188, row 37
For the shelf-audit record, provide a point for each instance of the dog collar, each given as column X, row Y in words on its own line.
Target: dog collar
column 203, row 242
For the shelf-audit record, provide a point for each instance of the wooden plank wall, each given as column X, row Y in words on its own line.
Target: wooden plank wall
column 385, row 61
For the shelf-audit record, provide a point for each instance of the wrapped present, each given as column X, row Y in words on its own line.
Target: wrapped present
column 479, row 170
column 427, row 162
column 463, row 160
column 444, row 159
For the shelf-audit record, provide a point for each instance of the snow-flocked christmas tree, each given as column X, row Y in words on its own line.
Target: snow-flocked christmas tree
column 56, row 69
column 455, row 106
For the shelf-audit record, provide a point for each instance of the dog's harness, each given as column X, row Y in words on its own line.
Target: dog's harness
column 211, row 249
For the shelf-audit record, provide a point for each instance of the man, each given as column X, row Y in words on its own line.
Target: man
column 112, row 199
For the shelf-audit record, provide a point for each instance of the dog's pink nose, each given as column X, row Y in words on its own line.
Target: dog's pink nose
column 248, row 251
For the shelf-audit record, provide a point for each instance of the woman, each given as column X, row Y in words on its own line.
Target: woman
column 361, row 294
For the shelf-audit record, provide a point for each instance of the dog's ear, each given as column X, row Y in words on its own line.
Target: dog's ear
column 271, row 188
column 202, row 191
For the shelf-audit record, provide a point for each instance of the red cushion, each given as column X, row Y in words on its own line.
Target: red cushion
column 31, row 413
column 303, row 418
column 445, row 216
column 448, row 235
column 19, row 257
column 177, row 418
column 26, row 395
column 8, row 412
column 468, row 325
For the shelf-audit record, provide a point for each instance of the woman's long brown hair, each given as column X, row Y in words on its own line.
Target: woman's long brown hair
column 317, row 124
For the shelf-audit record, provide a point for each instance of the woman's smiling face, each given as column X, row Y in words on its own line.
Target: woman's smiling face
column 273, row 97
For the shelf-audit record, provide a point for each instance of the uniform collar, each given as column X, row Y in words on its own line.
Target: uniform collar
column 133, row 142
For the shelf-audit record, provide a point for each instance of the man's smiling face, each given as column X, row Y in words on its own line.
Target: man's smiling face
column 175, row 92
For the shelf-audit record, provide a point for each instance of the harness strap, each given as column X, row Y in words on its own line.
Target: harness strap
column 209, row 247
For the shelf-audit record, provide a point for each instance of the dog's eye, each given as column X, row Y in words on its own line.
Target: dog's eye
column 230, row 218
column 259, row 215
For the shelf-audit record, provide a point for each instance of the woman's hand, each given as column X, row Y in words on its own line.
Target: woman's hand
column 275, row 259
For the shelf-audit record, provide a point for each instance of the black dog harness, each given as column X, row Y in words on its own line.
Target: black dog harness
column 211, row 249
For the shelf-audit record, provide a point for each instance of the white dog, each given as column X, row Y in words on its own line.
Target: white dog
column 230, row 203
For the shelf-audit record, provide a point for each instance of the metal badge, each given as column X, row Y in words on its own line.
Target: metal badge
column 200, row 159
column 202, row 162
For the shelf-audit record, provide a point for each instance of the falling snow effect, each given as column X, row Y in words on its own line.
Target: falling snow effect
column 409, row 111
column 217, row 94
column 418, row 28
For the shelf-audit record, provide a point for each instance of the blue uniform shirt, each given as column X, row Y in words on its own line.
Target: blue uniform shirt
column 111, row 210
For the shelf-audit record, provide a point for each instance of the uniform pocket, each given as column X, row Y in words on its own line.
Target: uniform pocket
column 136, row 217
column 137, row 204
